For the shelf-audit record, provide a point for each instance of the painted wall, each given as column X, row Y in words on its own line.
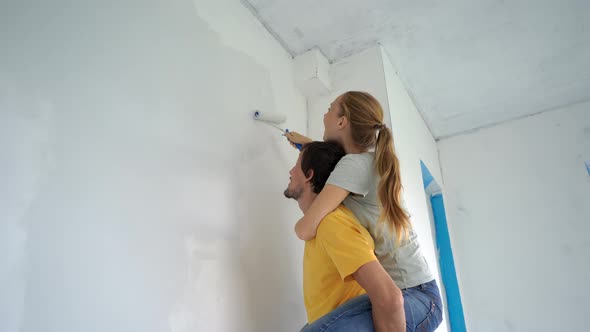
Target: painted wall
column 517, row 201
column 137, row 193
column 362, row 71
column 372, row 71
column 413, row 143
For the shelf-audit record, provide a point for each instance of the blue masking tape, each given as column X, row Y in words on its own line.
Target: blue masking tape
column 587, row 163
column 427, row 177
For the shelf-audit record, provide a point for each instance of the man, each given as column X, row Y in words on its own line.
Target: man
column 345, row 287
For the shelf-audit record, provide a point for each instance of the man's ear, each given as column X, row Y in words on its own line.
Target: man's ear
column 309, row 175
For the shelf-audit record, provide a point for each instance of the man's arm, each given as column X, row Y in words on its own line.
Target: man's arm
column 386, row 298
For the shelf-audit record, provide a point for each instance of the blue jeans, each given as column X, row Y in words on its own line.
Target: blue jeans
column 422, row 305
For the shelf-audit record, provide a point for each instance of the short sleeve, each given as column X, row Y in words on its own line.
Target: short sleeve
column 346, row 245
column 353, row 174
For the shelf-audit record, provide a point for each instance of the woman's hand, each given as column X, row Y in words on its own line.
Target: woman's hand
column 296, row 138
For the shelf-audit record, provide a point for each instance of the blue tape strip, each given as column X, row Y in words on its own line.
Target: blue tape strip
column 427, row 177
column 588, row 166
column 447, row 265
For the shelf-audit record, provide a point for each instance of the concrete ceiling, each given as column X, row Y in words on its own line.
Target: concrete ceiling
column 467, row 64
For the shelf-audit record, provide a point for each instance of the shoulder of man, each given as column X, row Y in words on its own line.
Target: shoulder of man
column 345, row 241
column 341, row 219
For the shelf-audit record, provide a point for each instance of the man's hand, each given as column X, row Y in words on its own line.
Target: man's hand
column 386, row 298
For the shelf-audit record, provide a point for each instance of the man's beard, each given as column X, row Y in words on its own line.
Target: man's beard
column 293, row 193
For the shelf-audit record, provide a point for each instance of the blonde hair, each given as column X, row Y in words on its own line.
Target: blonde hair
column 365, row 116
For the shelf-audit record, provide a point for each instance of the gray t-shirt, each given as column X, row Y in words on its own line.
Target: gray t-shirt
column 404, row 263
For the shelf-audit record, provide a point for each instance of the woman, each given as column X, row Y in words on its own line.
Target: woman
column 367, row 181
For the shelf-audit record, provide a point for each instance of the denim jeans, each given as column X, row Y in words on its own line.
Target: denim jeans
column 422, row 305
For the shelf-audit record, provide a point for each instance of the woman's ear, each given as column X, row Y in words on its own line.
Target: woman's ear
column 342, row 122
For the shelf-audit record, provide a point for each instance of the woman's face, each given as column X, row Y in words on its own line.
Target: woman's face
column 332, row 121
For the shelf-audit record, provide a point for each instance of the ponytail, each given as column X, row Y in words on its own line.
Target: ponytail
column 367, row 130
column 390, row 187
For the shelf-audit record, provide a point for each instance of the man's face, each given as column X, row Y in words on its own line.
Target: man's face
column 297, row 181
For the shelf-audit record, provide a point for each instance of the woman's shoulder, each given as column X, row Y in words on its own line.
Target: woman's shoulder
column 365, row 159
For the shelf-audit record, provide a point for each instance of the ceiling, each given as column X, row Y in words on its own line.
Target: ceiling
column 467, row 64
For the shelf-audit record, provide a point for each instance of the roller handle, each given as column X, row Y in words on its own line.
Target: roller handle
column 299, row 146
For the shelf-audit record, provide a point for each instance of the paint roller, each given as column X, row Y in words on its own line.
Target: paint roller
column 272, row 119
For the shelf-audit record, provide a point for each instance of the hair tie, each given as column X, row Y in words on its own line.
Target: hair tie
column 380, row 126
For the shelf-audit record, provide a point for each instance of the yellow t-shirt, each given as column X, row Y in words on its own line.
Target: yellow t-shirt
column 340, row 247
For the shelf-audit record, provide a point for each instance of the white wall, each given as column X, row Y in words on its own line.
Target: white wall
column 371, row 71
column 413, row 143
column 137, row 193
column 362, row 71
column 518, row 207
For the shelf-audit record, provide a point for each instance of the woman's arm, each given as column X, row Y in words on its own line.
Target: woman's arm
column 296, row 138
column 327, row 201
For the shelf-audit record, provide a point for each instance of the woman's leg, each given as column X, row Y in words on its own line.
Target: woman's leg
column 423, row 307
column 354, row 316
